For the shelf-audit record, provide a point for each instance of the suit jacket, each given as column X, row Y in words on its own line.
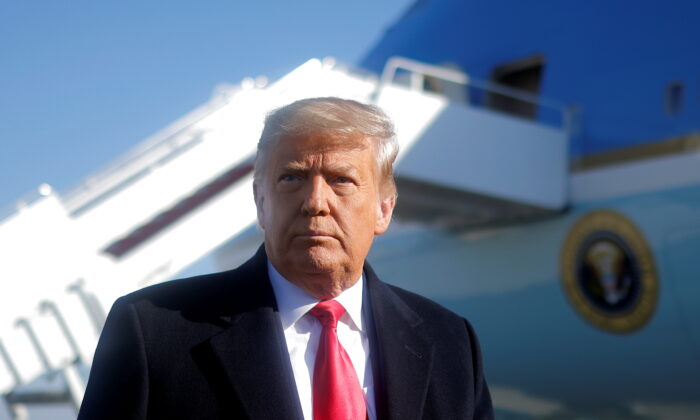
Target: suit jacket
column 212, row 347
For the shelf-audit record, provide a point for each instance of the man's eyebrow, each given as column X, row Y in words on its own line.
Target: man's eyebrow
column 343, row 168
column 295, row 166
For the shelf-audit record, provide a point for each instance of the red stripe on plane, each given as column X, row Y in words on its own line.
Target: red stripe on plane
column 161, row 221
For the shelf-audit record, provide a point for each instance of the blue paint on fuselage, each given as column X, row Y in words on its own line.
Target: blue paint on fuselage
column 613, row 59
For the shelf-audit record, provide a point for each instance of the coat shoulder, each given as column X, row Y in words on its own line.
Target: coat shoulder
column 425, row 307
column 436, row 318
column 184, row 289
column 207, row 296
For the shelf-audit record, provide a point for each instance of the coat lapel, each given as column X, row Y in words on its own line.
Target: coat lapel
column 257, row 365
column 252, row 353
column 401, row 356
column 252, row 350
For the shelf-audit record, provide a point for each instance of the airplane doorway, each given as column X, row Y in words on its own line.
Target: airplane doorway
column 524, row 75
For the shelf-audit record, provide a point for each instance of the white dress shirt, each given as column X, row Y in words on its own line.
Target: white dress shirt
column 302, row 332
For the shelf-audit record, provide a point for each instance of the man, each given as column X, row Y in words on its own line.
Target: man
column 305, row 329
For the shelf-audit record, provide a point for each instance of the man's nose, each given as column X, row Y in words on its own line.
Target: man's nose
column 317, row 195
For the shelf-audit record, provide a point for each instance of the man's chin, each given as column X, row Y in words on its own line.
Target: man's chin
column 318, row 259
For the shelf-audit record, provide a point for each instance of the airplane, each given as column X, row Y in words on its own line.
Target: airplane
column 588, row 306
column 549, row 191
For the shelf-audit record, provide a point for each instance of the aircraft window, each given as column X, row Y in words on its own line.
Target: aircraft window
column 402, row 77
column 524, row 75
column 455, row 91
column 674, row 98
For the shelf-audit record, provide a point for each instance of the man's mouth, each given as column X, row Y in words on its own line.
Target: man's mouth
column 315, row 235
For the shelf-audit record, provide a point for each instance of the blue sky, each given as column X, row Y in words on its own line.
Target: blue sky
column 81, row 82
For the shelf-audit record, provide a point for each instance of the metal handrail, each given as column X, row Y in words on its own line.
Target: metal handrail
column 418, row 71
column 10, row 365
column 143, row 156
column 50, row 306
column 40, row 352
column 90, row 304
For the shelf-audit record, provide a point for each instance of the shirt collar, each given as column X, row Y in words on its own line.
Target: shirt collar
column 293, row 302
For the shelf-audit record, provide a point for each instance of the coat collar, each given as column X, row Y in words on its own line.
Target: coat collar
column 253, row 355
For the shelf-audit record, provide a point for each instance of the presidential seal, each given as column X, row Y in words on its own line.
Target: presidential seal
column 608, row 272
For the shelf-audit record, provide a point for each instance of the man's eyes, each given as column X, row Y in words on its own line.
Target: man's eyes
column 296, row 178
column 289, row 178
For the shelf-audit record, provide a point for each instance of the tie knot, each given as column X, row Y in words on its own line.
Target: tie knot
column 328, row 312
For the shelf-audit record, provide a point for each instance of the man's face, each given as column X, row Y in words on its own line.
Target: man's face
column 319, row 204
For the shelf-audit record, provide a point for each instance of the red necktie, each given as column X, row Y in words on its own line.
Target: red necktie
column 337, row 394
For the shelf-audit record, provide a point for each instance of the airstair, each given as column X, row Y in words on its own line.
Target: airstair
column 464, row 165
column 187, row 191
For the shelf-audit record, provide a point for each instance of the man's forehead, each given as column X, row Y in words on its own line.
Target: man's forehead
column 326, row 142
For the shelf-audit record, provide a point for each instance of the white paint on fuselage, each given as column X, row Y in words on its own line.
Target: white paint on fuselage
column 644, row 176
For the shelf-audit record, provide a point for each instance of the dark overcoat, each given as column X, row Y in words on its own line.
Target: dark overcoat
column 212, row 347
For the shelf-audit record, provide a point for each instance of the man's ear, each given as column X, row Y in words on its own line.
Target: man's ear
column 385, row 209
column 259, row 199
